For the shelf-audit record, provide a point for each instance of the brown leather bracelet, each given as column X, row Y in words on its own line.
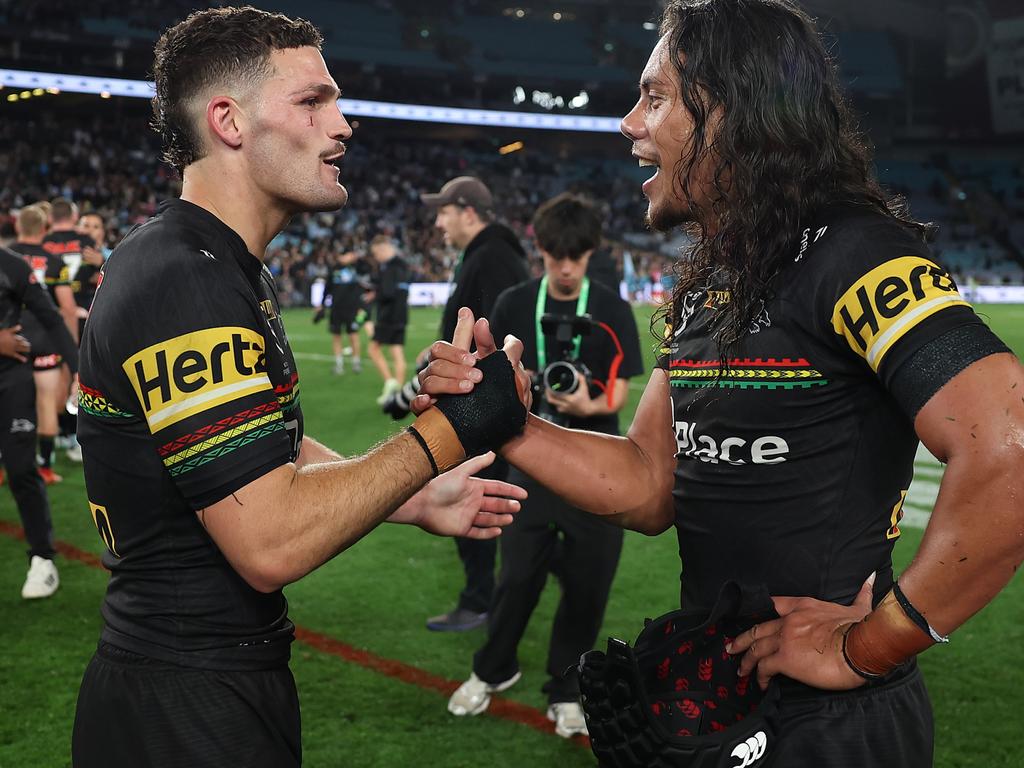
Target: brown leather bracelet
column 883, row 640
column 437, row 437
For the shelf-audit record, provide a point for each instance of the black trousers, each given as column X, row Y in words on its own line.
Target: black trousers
column 583, row 550
column 478, row 557
column 135, row 712
column 18, row 446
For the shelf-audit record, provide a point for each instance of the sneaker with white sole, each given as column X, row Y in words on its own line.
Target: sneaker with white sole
column 568, row 719
column 474, row 695
column 74, row 453
column 42, row 579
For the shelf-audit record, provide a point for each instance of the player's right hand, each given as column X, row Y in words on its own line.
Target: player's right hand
column 13, row 344
column 452, row 370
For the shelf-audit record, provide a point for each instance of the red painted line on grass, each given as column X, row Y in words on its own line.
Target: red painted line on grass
column 504, row 709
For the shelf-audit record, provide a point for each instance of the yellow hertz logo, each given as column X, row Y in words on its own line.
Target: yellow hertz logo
column 888, row 301
column 197, row 371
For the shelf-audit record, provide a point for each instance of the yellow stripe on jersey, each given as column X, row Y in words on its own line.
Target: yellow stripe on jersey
column 197, row 371
column 890, row 300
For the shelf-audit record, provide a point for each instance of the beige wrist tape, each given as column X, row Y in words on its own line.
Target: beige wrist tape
column 884, row 639
column 437, row 437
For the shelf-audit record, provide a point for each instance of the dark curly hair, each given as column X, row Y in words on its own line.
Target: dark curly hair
column 215, row 46
column 785, row 147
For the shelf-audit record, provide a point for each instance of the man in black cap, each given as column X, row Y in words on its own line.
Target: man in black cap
column 491, row 259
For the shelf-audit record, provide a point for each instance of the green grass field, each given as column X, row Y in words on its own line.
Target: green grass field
column 377, row 595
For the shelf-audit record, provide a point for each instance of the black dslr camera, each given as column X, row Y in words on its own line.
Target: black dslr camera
column 565, row 373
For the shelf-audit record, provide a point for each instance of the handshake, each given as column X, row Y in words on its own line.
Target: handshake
column 467, row 403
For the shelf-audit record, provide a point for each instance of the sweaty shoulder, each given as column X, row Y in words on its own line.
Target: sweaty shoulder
column 876, row 288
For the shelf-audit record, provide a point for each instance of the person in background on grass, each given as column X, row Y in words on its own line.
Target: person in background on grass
column 491, row 259
column 20, row 290
column 548, row 534
column 391, row 294
column 812, row 342
column 205, row 491
column 52, row 376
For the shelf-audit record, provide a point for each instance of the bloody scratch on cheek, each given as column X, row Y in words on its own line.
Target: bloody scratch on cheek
column 310, row 121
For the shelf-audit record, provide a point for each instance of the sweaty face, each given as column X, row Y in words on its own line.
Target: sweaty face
column 661, row 128
column 450, row 221
column 295, row 142
column 565, row 276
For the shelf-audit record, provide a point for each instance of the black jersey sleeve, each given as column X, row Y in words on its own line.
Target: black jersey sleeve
column 884, row 298
column 184, row 346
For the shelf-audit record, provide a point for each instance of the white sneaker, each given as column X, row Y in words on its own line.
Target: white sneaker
column 42, row 579
column 74, row 453
column 568, row 719
column 474, row 695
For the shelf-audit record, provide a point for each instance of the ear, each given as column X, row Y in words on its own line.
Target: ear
column 225, row 120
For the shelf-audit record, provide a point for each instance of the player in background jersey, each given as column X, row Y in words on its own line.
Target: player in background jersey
column 812, row 341
column 52, row 378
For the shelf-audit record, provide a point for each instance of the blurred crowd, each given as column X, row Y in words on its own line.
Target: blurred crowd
column 114, row 169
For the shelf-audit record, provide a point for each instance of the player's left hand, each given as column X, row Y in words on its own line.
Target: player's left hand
column 805, row 643
column 577, row 404
column 457, row 504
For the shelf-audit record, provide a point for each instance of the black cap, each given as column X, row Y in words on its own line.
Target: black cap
column 465, row 191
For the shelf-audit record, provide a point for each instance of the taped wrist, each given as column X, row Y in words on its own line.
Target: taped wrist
column 468, row 425
column 883, row 640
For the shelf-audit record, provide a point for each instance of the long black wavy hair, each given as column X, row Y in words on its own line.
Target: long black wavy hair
column 770, row 121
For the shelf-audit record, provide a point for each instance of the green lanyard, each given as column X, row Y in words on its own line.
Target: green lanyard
column 581, row 308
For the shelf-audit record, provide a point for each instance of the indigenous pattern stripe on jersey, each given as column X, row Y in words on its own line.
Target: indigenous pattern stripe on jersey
column 189, row 393
column 795, row 452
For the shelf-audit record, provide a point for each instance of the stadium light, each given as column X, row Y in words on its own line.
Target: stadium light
column 490, row 118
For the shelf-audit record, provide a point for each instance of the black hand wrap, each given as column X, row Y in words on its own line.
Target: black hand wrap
column 483, row 419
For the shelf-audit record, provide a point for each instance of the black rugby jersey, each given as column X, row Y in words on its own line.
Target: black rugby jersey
column 20, row 291
column 393, row 293
column 793, row 464
column 68, row 245
column 345, row 288
column 50, row 271
column 188, row 393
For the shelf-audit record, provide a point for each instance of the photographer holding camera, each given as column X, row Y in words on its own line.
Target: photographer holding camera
column 581, row 346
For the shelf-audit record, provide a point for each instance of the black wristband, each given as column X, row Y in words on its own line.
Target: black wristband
column 915, row 616
column 492, row 413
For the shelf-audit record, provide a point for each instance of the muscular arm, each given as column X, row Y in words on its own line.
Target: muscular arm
column 68, row 308
column 974, row 541
column 972, row 546
column 290, row 521
column 627, row 479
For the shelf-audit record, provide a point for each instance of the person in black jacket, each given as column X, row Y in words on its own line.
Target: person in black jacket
column 491, row 260
column 19, row 289
column 551, row 534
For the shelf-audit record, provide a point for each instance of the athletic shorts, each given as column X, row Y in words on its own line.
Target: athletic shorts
column 344, row 322
column 885, row 725
column 389, row 334
column 135, row 711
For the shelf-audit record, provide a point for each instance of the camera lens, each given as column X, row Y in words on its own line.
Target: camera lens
column 561, row 377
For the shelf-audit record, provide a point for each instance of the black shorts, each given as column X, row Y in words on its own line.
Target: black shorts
column 136, row 711
column 344, row 321
column 389, row 334
column 886, row 725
